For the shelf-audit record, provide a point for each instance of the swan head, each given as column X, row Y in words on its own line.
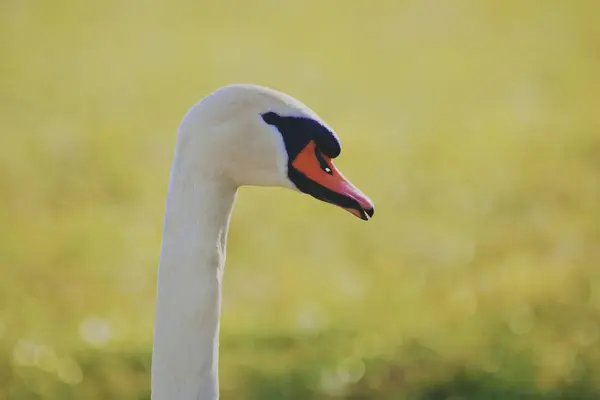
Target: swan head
column 253, row 135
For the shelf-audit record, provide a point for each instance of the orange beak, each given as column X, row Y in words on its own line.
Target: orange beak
column 326, row 182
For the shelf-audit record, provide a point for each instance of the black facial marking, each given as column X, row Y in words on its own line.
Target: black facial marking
column 322, row 162
column 297, row 132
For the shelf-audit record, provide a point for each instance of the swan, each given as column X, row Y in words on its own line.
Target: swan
column 240, row 134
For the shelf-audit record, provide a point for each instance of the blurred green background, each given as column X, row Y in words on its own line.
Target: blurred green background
column 474, row 126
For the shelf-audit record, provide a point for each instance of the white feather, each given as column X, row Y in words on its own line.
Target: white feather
column 222, row 144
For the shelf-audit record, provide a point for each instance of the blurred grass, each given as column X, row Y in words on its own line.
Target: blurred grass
column 473, row 125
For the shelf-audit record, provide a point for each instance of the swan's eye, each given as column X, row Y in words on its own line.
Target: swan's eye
column 322, row 162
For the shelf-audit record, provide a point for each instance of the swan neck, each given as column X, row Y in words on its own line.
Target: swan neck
column 186, row 334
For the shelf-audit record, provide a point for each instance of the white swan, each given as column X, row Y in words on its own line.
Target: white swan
column 238, row 135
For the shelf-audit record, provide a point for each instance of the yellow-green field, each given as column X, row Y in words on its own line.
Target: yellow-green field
column 473, row 125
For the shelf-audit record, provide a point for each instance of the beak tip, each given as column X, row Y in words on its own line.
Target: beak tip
column 366, row 213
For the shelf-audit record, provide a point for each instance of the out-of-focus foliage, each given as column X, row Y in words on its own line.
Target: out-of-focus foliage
column 473, row 125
